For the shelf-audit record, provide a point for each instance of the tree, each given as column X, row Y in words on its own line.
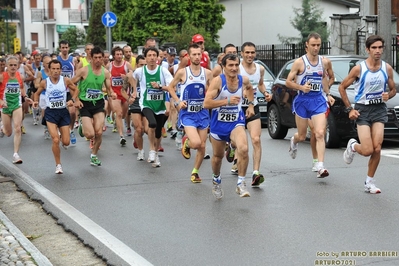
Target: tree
column 8, row 39
column 163, row 19
column 75, row 37
column 308, row 18
column 96, row 33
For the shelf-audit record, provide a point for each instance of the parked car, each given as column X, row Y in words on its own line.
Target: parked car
column 339, row 126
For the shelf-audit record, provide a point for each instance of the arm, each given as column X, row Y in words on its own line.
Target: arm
column 250, row 96
column 217, row 70
column 261, row 85
column 183, row 63
column 30, row 72
column 291, row 79
column 171, row 88
column 36, row 95
column 73, row 89
column 213, row 91
column 391, row 85
column 107, row 83
column 209, row 78
column 353, row 75
column 38, row 79
column 328, row 83
column 125, row 85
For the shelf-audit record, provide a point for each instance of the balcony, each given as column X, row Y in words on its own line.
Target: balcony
column 10, row 15
column 77, row 16
column 43, row 15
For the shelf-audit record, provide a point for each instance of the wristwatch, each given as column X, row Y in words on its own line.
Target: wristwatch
column 348, row 109
column 251, row 103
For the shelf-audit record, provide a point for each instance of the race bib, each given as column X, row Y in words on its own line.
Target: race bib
column 155, row 95
column 228, row 114
column 92, row 94
column 373, row 98
column 56, row 102
column 315, row 84
column 117, row 81
column 12, row 90
column 67, row 74
column 195, row 106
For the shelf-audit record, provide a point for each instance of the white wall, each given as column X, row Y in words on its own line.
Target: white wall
column 260, row 21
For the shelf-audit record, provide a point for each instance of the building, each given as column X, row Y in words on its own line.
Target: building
column 260, row 21
column 44, row 21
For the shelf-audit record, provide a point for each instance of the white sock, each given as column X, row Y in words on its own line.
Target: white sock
column 240, row 179
column 369, row 179
column 319, row 165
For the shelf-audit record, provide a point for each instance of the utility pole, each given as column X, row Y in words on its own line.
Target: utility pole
column 384, row 27
column 22, row 25
column 108, row 29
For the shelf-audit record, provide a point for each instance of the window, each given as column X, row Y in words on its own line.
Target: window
column 33, row 3
column 66, row 3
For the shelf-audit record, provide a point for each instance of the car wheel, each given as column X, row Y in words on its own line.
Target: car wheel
column 274, row 126
column 332, row 138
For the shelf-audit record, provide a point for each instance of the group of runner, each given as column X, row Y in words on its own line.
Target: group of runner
column 144, row 91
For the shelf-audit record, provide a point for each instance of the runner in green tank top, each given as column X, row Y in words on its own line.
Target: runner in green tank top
column 89, row 99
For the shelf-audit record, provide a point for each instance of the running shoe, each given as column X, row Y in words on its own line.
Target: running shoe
column 241, row 190
column 58, row 169
column 173, row 134
column 151, row 156
column 47, row 134
column 80, row 130
column 34, row 121
column 217, row 190
column 122, row 141
column 185, row 151
column 129, row 132
column 95, row 161
column 16, row 159
column 114, row 130
column 293, row 148
column 234, row 169
column 314, row 167
column 207, row 156
column 140, row 156
column 164, row 134
column 257, row 179
column 321, row 173
column 195, row 178
column 230, row 151
column 73, row 138
column 23, row 130
column 109, row 120
column 371, row 188
column 161, row 149
column 157, row 162
column 349, row 153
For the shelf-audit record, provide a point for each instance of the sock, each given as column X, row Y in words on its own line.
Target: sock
column 315, row 160
column 353, row 147
column 320, row 165
column 256, row 172
column 217, row 178
column 240, row 179
column 369, row 179
column 93, row 155
column 15, row 154
column 195, row 171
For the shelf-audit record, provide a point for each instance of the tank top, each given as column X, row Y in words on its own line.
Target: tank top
column 371, row 85
column 178, row 86
column 150, row 97
column 254, row 79
column 56, row 94
column 84, row 61
column 67, row 68
column 116, row 78
column 193, row 91
column 225, row 118
column 90, row 89
column 11, row 90
column 44, row 76
column 313, row 73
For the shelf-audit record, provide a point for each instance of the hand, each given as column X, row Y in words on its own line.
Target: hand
column 113, row 96
column 69, row 103
column 354, row 114
column 250, row 111
column 330, row 100
column 3, row 103
column 29, row 100
column 234, row 100
column 78, row 104
column 306, row 87
column 182, row 105
column 155, row 85
column 131, row 100
column 35, row 104
column 268, row 97
column 385, row 96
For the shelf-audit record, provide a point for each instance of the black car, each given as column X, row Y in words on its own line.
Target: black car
column 339, row 126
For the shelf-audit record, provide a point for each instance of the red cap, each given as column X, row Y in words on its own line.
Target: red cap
column 35, row 52
column 197, row 38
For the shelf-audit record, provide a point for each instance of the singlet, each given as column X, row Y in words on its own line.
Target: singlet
column 225, row 118
column 314, row 73
column 10, row 90
column 116, row 78
column 178, row 86
column 90, row 89
column 193, row 92
column 132, row 61
column 56, row 94
column 84, row 61
column 254, row 79
column 36, row 69
column 67, row 68
column 371, row 85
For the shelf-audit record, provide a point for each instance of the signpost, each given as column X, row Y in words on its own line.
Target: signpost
column 109, row 20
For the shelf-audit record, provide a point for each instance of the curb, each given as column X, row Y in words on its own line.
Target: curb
column 104, row 244
column 39, row 258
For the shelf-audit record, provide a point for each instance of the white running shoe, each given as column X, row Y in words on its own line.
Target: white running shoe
column 157, row 162
column 151, row 156
column 322, row 172
column 217, row 190
column 242, row 190
column 293, row 148
column 349, row 153
column 314, row 167
column 140, row 156
column 371, row 188
column 58, row 169
column 16, row 159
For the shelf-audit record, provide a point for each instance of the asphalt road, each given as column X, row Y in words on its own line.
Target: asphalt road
column 294, row 218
